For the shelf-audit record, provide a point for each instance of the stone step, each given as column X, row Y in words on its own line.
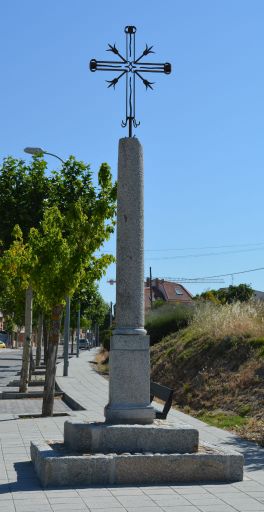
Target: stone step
column 106, row 438
column 56, row 465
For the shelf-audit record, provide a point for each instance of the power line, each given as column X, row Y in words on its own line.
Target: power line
column 229, row 274
column 205, row 247
column 203, row 254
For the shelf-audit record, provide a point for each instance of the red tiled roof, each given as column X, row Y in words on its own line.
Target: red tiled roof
column 170, row 290
column 167, row 291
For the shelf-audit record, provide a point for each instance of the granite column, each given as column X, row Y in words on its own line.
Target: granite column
column 129, row 384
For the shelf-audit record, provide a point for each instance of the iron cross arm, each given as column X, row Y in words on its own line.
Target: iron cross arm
column 130, row 67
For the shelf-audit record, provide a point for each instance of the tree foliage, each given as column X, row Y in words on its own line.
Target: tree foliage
column 14, row 278
column 58, row 235
column 63, row 220
column 93, row 307
column 240, row 293
column 24, row 189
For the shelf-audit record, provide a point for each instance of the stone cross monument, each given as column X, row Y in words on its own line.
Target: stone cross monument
column 129, row 382
column 127, row 448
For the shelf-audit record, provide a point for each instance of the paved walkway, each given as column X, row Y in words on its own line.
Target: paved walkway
column 10, row 364
column 21, row 491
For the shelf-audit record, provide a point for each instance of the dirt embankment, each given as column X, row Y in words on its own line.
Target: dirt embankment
column 225, row 375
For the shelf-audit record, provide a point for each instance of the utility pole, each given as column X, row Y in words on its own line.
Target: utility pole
column 66, row 337
column 111, row 315
column 150, row 287
column 78, row 329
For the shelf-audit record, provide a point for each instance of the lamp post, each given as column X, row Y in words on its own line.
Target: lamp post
column 38, row 152
column 78, row 330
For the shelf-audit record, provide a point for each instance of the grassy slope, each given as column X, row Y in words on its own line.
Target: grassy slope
column 218, row 379
column 225, row 373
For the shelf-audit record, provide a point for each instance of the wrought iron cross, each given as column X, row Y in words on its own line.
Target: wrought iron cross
column 130, row 67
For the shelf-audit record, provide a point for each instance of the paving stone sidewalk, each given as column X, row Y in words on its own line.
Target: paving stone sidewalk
column 21, row 491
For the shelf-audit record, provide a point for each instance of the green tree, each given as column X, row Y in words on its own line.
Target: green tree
column 241, row 293
column 24, row 190
column 60, row 248
column 14, row 279
column 93, row 306
column 62, row 256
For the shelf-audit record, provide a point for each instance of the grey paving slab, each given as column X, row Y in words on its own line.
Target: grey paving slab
column 180, row 508
column 29, row 406
column 20, row 490
column 147, row 509
column 102, row 502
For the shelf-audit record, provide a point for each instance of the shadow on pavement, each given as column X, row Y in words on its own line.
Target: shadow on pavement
column 253, row 453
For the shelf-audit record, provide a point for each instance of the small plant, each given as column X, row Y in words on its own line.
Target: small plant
column 158, row 303
column 244, row 410
column 186, row 387
column 222, row 419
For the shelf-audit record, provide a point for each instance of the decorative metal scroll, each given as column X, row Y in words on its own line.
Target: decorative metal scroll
column 130, row 67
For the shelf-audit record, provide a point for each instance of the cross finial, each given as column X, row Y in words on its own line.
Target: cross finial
column 131, row 68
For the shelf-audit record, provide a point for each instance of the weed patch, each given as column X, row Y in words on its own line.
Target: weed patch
column 222, row 420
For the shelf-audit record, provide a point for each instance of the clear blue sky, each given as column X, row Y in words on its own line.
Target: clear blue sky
column 202, row 127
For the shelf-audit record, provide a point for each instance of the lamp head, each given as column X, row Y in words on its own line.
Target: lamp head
column 34, row 151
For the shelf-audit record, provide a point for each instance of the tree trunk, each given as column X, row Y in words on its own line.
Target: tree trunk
column 32, row 365
column 54, row 336
column 12, row 339
column 17, row 336
column 23, row 385
column 45, row 339
column 39, row 339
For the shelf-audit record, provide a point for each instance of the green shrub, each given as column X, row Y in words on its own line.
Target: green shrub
column 158, row 303
column 244, row 410
column 166, row 320
column 105, row 338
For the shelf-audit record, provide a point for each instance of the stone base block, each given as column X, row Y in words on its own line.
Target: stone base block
column 105, row 438
column 56, row 466
column 129, row 380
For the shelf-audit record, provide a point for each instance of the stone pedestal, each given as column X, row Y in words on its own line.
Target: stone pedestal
column 129, row 368
column 129, row 387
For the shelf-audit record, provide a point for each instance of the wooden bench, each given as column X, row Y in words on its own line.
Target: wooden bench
column 163, row 393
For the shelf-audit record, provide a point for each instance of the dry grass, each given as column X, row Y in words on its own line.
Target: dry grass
column 237, row 319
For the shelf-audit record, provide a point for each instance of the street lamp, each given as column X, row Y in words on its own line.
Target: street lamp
column 40, row 151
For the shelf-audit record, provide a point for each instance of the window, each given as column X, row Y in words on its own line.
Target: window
column 178, row 291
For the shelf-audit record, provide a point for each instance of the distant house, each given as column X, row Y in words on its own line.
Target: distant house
column 169, row 291
column 258, row 295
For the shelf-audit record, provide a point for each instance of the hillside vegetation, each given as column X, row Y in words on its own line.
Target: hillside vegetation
column 166, row 319
column 216, row 365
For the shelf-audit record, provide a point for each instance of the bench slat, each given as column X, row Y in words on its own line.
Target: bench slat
column 163, row 393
